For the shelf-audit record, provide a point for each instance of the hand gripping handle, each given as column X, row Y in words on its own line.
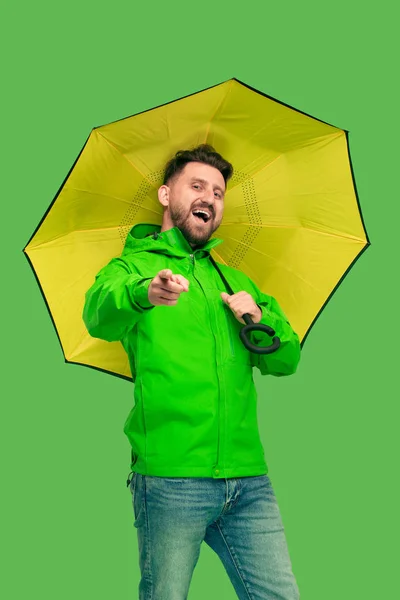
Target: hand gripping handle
column 250, row 326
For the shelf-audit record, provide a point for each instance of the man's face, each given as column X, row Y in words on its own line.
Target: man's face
column 197, row 187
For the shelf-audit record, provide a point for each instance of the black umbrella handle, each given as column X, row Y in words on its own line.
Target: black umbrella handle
column 245, row 336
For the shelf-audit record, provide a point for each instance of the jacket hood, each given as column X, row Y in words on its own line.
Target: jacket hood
column 147, row 237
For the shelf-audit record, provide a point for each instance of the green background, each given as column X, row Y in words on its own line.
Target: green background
column 330, row 432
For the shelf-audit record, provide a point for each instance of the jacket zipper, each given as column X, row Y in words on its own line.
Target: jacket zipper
column 192, row 259
column 227, row 321
column 229, row 333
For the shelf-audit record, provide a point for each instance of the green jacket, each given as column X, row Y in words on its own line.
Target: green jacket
column 195, row 411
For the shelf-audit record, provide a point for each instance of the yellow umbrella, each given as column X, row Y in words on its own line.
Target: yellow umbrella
column 292, row 220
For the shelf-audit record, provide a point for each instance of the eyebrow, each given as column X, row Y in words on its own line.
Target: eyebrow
column 205, row 183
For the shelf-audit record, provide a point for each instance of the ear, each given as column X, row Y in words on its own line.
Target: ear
column 163, row 195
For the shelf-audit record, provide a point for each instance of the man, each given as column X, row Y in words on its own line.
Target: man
column 199, row 471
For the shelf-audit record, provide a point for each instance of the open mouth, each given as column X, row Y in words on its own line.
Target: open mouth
column 202, row 216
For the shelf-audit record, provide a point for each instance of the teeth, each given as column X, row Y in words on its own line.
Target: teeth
column 199, row 210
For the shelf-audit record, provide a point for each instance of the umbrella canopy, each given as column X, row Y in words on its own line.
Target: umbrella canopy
column 292, row 220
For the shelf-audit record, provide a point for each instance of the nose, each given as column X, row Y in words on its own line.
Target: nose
column 209, row 198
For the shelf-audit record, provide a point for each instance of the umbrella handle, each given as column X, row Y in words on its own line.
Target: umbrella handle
column 250, row 326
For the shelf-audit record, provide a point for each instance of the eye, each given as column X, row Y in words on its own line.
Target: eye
column 196, row 185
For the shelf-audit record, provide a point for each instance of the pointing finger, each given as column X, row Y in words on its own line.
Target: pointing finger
column 165, row 274
column 172, row 286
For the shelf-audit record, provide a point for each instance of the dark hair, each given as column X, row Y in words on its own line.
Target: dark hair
column 203, row 153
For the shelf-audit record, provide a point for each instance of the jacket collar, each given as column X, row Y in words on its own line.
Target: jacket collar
column 174, row 238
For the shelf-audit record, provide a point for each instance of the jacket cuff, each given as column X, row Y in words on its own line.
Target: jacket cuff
column 141, row 293
column 267, row 318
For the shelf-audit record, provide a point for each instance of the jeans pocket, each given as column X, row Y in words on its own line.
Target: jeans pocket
column 132, row 483
column 138, row 499
column 270, row 492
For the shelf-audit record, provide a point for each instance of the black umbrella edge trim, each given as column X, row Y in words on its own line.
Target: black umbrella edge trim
column 57, row 194
column 70, row 362
column 164, row 104
column 215, row 85
column 367, row 245
column 125, row 377
column 45, row 301
column 355, row 188
column 285, row 104
column 142, row 112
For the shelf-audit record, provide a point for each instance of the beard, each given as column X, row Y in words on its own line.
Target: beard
column 195, row 233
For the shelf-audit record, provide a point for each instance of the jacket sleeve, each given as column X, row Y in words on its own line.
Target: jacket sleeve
column 285, row 360
column 115, row 301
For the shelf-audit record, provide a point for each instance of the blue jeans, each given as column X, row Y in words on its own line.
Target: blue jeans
column 238, row 518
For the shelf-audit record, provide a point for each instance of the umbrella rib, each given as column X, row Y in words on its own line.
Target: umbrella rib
column 252, row 175
column 129, row 202
column 58, row 237
column 264, row 226
column 254, row 250
column 217, row 109
column 75, row 189
column 220, row 257
column 281, row 264
column 126, row 158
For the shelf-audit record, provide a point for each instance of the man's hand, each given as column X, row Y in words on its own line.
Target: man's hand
column 242, row 303
column 166, row 288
